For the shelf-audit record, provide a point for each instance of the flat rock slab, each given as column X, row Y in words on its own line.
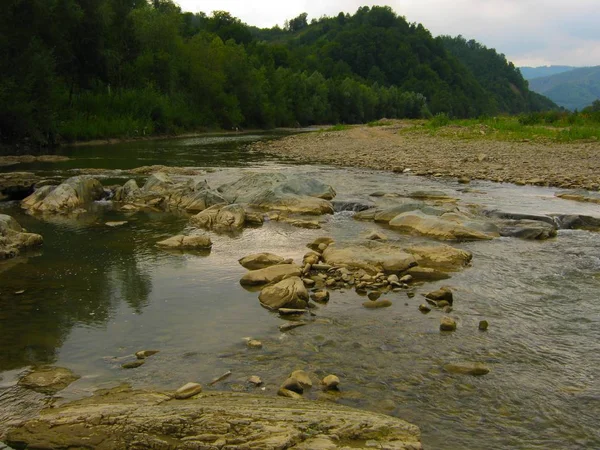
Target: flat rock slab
column 121, row 418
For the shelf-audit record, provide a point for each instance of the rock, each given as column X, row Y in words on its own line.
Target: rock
column 442, row 304
column 374, row 295
column 331, row 382
column 121, row 418
column 271, row 274
column 424, row 308
column 427, row 274
column 221, row 218
column 393, row 279
column 260, row 261
column 143, row 354
column 181, row 242
column 302, row 377
column 406, row 279
column 474, row 369
column 48, row 380
column 116, row 224
column 314, row 245
column 280, row 192
column 447, row 324
column 254, row 218
column 377, row 304
column 443, row 257
column 446, row 227
column 311, row 258
column 483, row 325
column 375, row 235
column 371, row 256
column 322, row 267
column 527, row 229
column 287, row 293
column 464, row 180
column 442, row 294
column 517, row 216
column 187, row 390
column 291, row 312
column 308, row 282
column 431, row 195
column 577, row 222
column 17, row 185
column 321, row 296
column 72, row 194
column 133, row 364
column 447, row 309
column 290, row 326
column 255, row 380
column 289, row 394
column 13, row 238
column 292, row 384
column 253, row 343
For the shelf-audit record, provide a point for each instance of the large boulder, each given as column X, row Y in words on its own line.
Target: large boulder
column 288, row 293
column 272, row 274
column 371, row 256
column 121, row 418
column 220, row 218
column 275, row 191
column 260, row 261
column 577, row 222
column 448, row 226
column 13, row 237
column 74, row 193
column 527, row 229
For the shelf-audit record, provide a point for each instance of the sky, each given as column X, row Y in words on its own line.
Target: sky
column 528, row 32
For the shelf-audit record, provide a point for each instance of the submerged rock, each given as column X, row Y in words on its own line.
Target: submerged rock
column 447, row 324
column 377, row 304
column 260, row 261
column 288, row 293
column 194, row 242
column 527, row 229
column 13, row 238
column 474, row 369
column 48, row 380
column 271, row 274
column 74, row 193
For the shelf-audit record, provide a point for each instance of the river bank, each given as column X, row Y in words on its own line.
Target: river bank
column 397, row 148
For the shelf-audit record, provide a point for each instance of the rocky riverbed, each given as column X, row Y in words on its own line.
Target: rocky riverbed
column 569, row 165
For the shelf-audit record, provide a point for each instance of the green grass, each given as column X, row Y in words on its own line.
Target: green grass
column 338, row 127
column 553, row 126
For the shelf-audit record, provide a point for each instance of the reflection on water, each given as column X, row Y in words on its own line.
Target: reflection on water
column 96, row 293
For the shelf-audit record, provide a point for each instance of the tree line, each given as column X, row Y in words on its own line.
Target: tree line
column 86, row 69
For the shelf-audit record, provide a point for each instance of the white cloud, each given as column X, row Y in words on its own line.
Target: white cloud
column 526, row 31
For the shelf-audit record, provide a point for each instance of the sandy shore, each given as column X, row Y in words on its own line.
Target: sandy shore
column 571, row 165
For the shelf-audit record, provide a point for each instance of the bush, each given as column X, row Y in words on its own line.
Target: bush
column 440, row 120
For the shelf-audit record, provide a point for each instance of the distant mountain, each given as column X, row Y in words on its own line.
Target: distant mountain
column 543, row 71
column 574, row 89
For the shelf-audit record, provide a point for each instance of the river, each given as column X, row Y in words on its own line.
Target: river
column 94, row 294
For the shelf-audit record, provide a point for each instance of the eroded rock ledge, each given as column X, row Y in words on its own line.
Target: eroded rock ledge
column 122, row 418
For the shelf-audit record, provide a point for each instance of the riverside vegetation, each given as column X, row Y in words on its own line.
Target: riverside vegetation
column 79, row 70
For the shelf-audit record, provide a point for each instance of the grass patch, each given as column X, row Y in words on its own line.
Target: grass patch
column 338, row 127
column 552, row 126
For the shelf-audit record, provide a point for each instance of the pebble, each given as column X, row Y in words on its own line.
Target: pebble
column 321, row 296
column 134, row 364
column 393, row 279
column 292, row 384
column 290, row 326
column 483, row 325
column 374, row 295
column 143, row 354
column 406, row 279
column 291, row 312
column 447, row 324
column 302, row 378
column 188, row 390
column 255, row 380
column 253, row 343
column 424, row 308
column 331, row 382
column 308, row 282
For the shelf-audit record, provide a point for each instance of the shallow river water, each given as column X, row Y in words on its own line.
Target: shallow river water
column 94, row 294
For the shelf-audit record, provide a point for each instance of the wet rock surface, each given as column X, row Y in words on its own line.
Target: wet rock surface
column 13, row 238
column 121, row 418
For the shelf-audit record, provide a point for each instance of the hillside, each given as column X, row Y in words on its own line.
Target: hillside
column 543, row 71
column 110, row 68
column 499, row 77
column 574, row 89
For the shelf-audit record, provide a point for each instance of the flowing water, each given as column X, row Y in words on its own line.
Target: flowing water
column 94, row 295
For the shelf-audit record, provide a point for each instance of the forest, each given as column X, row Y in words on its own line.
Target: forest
column 77, row 70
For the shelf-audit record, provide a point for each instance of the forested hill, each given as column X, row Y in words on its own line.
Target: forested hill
column 87, row 69
column 573, row 90
column 499, row 77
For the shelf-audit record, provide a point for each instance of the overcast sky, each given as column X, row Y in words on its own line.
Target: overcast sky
column 528, row 32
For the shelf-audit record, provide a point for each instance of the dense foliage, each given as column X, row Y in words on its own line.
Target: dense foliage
column 85, row 69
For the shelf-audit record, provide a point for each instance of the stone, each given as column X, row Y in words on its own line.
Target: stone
column 133, row 364
column 72, row 194
column 271, row 274
column 442, row 294
column 287, row 293
column 448, row 309
column 260, row 261
column 331, row 382
column 377, row 304
column 122, row 418
column 424, row 308
column 483, row 325
column 374, row 295
column 308, row 282
column 371, row 256
column 143, row 354
column 527, row 229
column 447, row 324
column 306, row 224
column 448, row 226
column 48, row 380
column 255, row 380
column 375, row 235
column 254, row 218
column 314, row 245
column 393, row 279
column 253, row 343
column 427, row 274
column 292, row 384
column 302, row 377
column 289, row 394
column 181, row 242
column 474, row 369
column 311, row 258
column 321, row 296
column 187, row 391
column 14, row 238
column 442, row 257
column 322, row 267
column 284, row 328
column 116, row 224
column 406, row 279
column 221, row 218
column 291, row 312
